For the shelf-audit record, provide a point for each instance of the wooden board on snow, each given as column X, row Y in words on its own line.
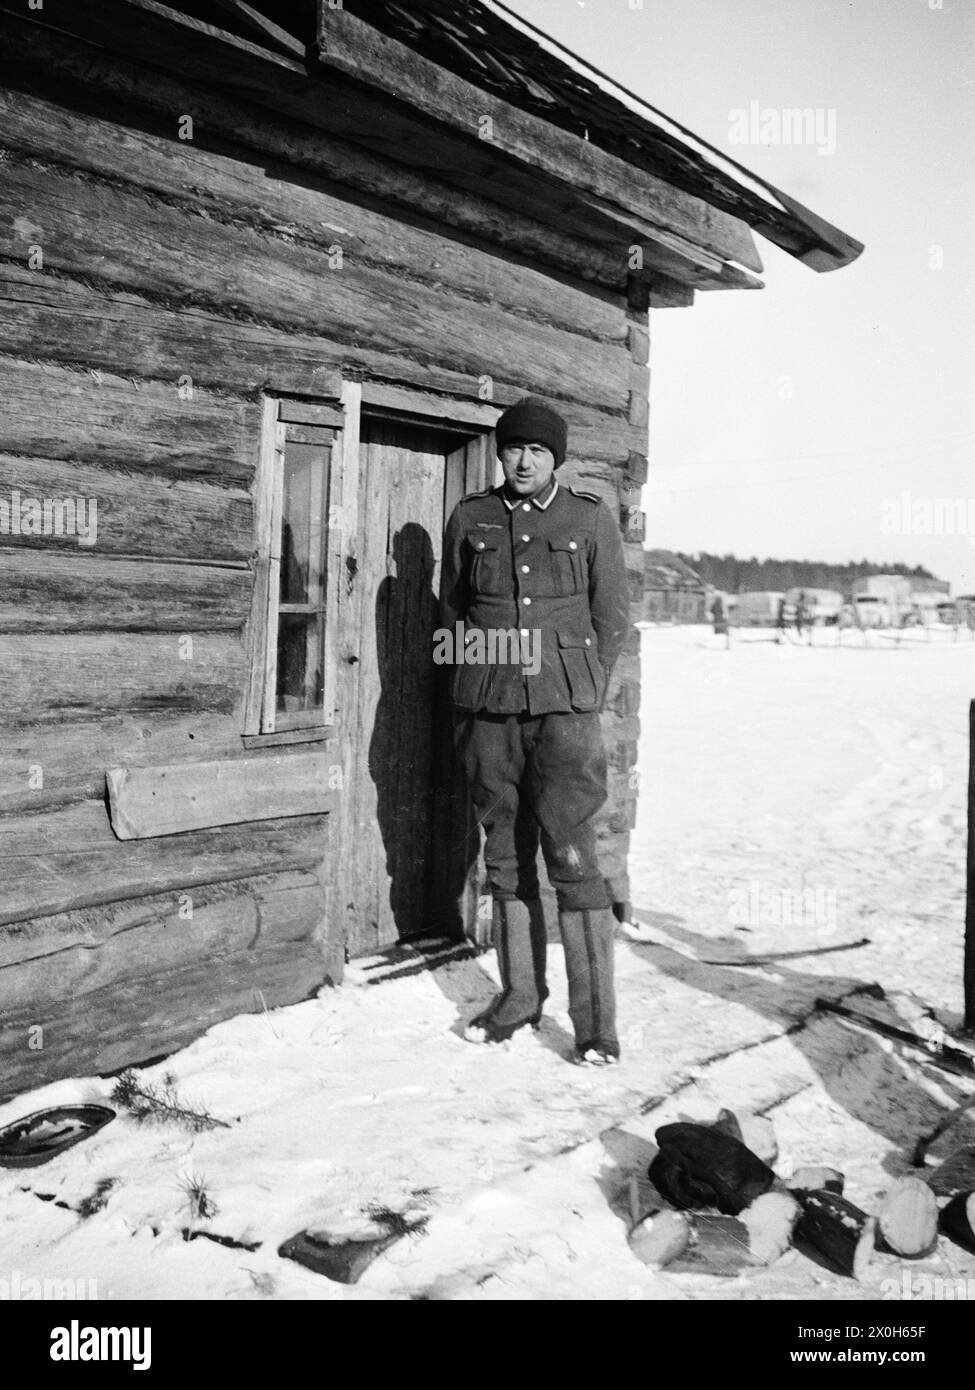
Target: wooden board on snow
column 407, row 958
column 951, row 1055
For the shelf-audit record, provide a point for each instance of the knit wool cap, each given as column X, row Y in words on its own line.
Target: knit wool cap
column 531, row 421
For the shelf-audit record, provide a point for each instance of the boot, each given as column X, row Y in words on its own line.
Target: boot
column 519, row 936
column 587, row 938
column 539, row 940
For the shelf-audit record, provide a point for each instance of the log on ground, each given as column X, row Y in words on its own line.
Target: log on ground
column 839, row 1232
column 957, row 1220
column 907, row 1222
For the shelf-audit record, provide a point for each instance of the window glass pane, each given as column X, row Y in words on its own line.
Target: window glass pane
column 303, row 517
column 301, row 666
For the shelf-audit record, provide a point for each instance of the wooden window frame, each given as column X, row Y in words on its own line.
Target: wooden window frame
column 264, row 726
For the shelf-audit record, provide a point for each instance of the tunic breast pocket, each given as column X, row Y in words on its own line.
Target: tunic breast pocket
column 487, row 571
column 567, row 561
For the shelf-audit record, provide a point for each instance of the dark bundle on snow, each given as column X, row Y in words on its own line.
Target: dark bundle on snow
column 701, row 1166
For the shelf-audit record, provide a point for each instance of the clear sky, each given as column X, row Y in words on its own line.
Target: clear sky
column 783, row 421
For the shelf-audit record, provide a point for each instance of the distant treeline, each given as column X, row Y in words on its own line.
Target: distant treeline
column 737, row 576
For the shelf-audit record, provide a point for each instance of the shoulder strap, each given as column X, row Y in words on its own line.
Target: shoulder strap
column 589, row 496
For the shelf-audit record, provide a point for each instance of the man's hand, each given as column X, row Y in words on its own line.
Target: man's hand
column 605, row 691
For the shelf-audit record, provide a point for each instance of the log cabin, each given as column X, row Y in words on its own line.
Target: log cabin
column 269, row 274
column 673, row 592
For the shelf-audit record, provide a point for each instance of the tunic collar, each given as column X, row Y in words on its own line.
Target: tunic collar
column 541, row 501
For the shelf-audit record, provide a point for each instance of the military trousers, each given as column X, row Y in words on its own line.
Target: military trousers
column 537, row 779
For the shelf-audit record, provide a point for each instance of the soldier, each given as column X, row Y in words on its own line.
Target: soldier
column 544, row 561
column 780, row 621
column 802, row 616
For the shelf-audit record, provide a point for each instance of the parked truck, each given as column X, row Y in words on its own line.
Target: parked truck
column 758, row 609
column 822, row 606
column 883, row 600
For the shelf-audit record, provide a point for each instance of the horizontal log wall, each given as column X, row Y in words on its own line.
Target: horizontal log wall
column 110, row 83
column 90, row 227
column 150, row 290
column 53, row 593
column 148, row 516
column 60, row 678
column 84, row 865
column 228, row 187
column 49, row 765
column 59, row 318
column 153, row 961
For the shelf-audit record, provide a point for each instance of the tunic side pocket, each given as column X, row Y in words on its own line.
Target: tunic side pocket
column 580, row 663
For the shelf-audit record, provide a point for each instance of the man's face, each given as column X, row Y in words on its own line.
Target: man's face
column 527, row 467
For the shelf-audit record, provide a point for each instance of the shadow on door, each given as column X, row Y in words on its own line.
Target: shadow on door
column 415, row 843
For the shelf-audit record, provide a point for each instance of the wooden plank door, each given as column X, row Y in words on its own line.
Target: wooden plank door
column 411, row 851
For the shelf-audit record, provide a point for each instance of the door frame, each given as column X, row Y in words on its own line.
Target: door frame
column 473, row 469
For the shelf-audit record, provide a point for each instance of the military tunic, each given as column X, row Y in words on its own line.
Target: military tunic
column 552, row 566
column 549, row 569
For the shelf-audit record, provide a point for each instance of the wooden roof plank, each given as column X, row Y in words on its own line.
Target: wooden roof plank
column 265, row 28
column 164, row 38
column 355, row 49
column 585, row 101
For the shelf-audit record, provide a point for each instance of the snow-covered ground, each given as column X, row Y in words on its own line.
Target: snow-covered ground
column 792, row 800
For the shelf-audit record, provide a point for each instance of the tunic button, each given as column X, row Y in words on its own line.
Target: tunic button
column 526, row 506
column 526, row 538
column 588, row 642
column 526, row 600
column 524, row 632
column 525, row 569
column 573, row 546
column 480, row 545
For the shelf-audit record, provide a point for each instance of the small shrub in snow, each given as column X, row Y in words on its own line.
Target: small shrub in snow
column 146, row 1101
column 201, row 1204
